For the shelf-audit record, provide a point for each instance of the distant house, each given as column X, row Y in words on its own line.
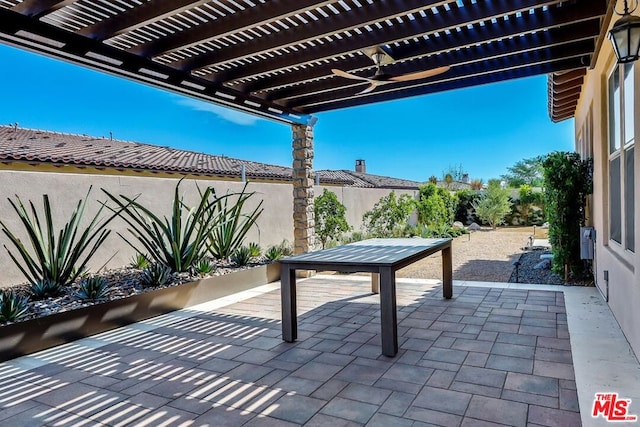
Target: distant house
column 39, row 150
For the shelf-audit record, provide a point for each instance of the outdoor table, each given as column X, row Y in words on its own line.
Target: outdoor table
column 382, row 258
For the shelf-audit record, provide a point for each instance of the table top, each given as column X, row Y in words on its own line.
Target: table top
column 371, row 252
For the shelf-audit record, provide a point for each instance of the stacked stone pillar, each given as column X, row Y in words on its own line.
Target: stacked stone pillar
column 303, row 180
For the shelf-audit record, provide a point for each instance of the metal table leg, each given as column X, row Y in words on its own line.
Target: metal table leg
column 447, row 273
column 388, row 314
column 289, row 308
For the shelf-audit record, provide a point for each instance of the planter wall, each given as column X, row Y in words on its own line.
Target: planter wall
column 38, row 334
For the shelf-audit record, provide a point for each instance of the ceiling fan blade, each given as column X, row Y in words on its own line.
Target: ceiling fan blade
column 420, row 74
column 369, row 88
column 347, row 75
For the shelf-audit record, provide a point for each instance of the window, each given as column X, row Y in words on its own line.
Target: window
column 621, row 153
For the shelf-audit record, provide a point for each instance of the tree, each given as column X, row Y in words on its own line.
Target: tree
column 457, row 173
column 389, row 216
column 527, row 199
column 436, row 207
column 568, row 182
column 494, row 204
column 448, row 179
column 330, row 216
column 527, row 171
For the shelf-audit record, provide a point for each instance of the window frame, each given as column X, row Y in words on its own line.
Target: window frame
column 619, row 154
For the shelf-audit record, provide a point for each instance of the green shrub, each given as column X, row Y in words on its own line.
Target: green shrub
column 12, row 306
column 389, row 216
column 93, row 288
column 140, row 261
column 273, row 253
column 435, row 206
column 204, row 267
column 58, row 255
column 285, row 248
column 567, row 183
column 464, row 211
column 45, row 288
column 494, row 204
column 241, row 256
column 232, row 227
column 176, row 242
column 156, row 275
column 330, row 216
column 356, row 236
column 255, row 249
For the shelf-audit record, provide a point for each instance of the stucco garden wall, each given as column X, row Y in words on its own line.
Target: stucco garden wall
column 65, row 189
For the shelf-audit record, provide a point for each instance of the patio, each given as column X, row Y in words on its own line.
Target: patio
column 494, row 354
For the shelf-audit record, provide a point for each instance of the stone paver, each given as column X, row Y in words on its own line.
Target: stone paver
column 489, row 356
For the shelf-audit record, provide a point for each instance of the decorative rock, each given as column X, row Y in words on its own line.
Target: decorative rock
column 545, row 264
column 458, row 224
column 473, row 227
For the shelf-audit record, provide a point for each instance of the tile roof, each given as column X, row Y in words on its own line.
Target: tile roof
column 31, row 145
column 371, row 181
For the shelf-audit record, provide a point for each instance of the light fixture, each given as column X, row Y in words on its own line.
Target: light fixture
column 625, row 35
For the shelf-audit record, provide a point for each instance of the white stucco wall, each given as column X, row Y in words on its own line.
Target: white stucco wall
column 622, row 266
column 65, row 189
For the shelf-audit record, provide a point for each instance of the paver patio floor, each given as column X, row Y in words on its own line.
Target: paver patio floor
column 489, row 356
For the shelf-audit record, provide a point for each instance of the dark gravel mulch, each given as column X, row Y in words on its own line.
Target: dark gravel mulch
column 527, row 273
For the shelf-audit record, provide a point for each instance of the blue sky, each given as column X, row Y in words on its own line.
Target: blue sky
column 485, row 129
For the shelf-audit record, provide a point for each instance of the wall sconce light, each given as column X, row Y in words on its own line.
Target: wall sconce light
column 625, row 35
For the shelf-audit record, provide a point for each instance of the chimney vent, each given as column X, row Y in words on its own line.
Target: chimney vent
column 360, row 166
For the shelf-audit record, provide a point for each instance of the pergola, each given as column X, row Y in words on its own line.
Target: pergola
column 273, row 58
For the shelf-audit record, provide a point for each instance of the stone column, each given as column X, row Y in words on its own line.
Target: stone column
column 303, row 217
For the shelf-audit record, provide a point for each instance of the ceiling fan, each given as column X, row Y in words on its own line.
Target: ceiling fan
column 380, row 57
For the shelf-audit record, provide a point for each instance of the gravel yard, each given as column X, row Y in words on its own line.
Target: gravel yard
column 485, row 256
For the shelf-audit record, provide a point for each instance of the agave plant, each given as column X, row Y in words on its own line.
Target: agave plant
column 241, row 256
column 285, row 248
column 204, row 267
column 255, row 249
column 139, row 261
column 233, row 225
column 45, row 288
column 177, row 242
column 60, row 259
column 273, row 253
column 156, row 275
column 12, row 306
column 93, row 288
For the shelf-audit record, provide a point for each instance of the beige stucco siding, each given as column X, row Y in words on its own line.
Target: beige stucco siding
column 623, row 266
column 156, row 192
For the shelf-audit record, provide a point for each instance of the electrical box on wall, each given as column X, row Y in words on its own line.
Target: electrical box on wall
column 587, row 242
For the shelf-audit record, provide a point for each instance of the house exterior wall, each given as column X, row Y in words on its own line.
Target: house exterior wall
column 592, row 136
column 156, row 192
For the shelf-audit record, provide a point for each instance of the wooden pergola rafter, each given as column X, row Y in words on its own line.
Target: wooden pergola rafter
column 274, row 57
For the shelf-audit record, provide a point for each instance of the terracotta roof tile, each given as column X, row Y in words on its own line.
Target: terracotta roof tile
column 371, row 181
column 21, row 144
column 30, row 145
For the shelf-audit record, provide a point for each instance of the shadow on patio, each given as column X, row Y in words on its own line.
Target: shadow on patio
column 491, row 354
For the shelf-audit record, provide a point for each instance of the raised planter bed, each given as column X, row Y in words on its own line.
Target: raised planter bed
column 37, row 334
